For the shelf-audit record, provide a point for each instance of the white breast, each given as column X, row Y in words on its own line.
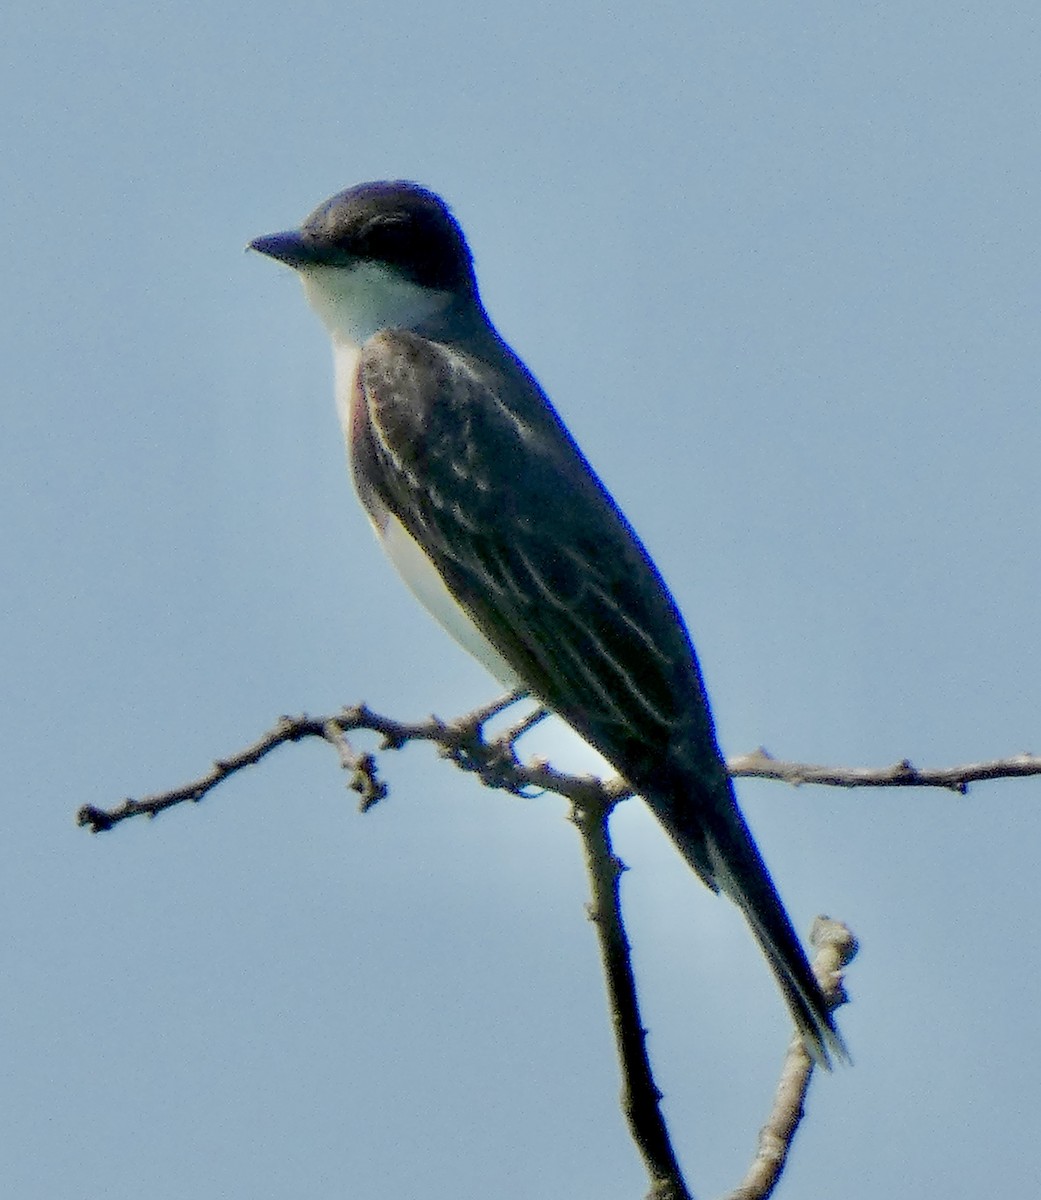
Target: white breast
column 428, row 587
column 418, row 572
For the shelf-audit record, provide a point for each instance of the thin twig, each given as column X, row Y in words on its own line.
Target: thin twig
column 760, row 764
column 461, row 740
column 362, row 767
column 640, row 1095
column 495, row 761
column 835, row 946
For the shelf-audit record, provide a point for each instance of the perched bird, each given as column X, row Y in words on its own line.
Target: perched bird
column 497, row 522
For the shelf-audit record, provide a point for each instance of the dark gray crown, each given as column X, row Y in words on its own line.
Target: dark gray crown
column 397, row 223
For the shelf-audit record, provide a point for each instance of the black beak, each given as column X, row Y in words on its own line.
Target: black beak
column 289, row 248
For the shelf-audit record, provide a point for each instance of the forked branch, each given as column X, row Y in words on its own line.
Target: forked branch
column 467, row 742
column 494, row 760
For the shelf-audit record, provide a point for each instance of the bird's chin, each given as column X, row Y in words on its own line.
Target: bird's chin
column 355, row 302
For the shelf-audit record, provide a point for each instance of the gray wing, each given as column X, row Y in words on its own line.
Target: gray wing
column 477, row 466
column 480, row 471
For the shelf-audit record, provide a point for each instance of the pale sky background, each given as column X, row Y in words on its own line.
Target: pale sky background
column 777, row 265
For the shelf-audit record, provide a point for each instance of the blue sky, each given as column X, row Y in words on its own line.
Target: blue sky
column 778, row 267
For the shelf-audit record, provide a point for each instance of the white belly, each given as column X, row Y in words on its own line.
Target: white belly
column 408, row 556
column 427, row 586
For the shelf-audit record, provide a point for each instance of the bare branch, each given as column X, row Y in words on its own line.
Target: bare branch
column 835, row 946
column 762, row 765
column 493, row 758
column 495, row 761
column 462, row 740
column 361, row 766
column 640, row 1094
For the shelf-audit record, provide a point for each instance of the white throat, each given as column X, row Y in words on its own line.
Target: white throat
column 354, row 303
column 358, row 301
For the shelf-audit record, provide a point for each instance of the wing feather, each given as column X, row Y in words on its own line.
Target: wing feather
column 526, row 539
column 471, row 458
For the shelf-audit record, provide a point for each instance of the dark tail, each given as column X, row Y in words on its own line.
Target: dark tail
column 712, row 836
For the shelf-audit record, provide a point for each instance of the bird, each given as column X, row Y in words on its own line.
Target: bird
column 497, row 522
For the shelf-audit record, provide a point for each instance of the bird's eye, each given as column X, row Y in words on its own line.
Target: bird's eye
column 385, row 239
column 422, row 245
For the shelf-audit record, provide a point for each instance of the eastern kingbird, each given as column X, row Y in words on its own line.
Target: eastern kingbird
column 491, row 513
